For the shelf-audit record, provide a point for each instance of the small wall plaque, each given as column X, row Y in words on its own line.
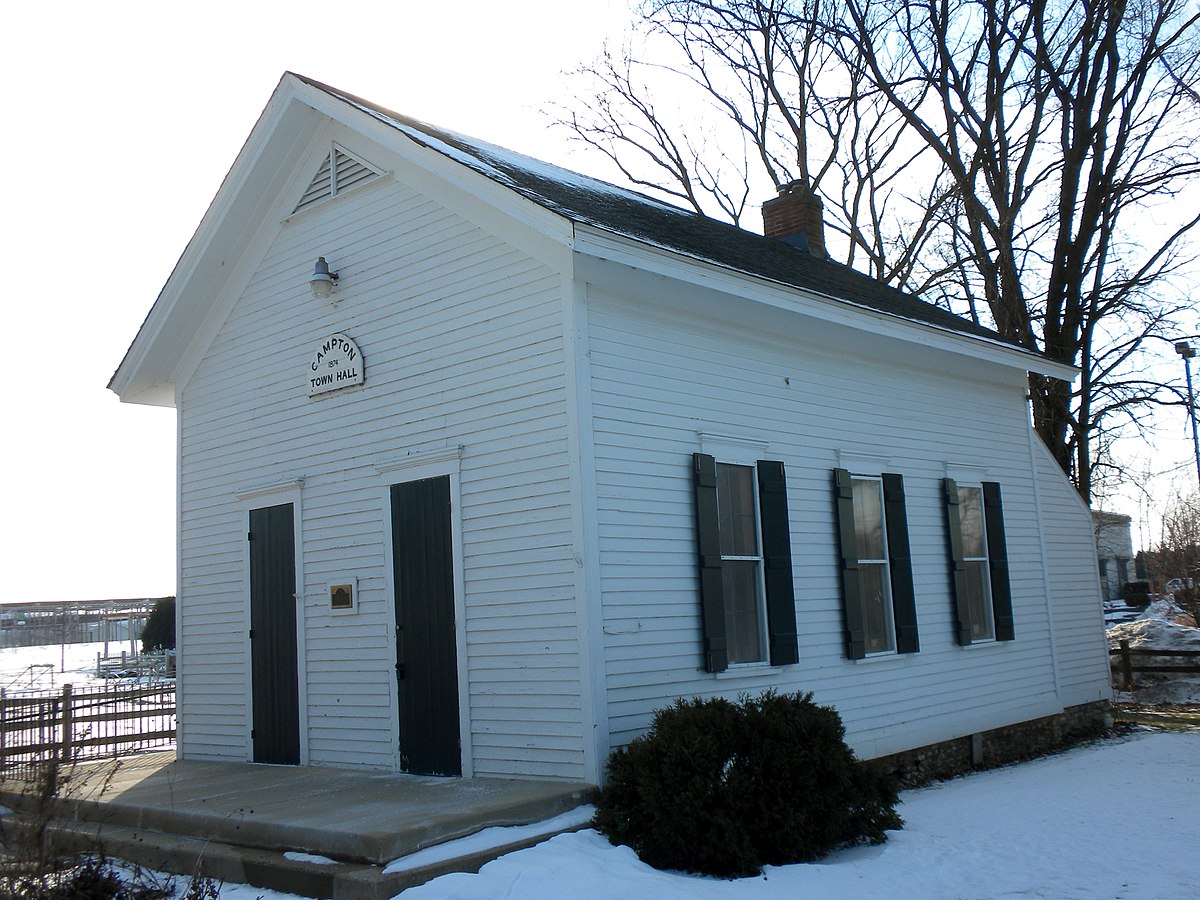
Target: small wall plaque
column 335, row 364
column 341, row 595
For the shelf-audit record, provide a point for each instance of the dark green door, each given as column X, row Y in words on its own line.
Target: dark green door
column 275, row 695
column 426, row 654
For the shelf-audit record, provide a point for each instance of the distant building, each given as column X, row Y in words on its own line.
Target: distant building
column 72, row 621
column 1114, row 551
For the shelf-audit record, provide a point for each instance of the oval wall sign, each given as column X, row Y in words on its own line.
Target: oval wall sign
column 335, row 364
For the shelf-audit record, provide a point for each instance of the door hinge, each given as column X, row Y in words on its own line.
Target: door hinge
column 400, row 671
column 251, row 634
column 249, row 535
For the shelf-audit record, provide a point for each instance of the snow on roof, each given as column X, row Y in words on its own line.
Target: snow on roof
column 489, row 159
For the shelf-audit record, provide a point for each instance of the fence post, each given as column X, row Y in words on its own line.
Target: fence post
column 3, row 725
column 1126, row 665
column 67, row 725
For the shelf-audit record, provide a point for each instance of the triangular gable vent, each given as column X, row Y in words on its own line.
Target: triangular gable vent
column 340, row 171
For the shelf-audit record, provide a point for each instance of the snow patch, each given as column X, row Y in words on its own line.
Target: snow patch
column 1163, row 626
column 490, row 839
column 297, row 856
column 45, row 667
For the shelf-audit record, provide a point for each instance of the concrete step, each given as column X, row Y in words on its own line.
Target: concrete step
column 271, row 869
column 262, row 825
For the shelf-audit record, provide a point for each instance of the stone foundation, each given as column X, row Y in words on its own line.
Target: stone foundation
column 989, row 749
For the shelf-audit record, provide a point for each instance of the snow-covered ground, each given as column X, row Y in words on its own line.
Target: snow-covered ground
column 45, row 668
column 1117, row 818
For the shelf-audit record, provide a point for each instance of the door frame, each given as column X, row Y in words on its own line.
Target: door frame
column 416, row 467
column 274, row 494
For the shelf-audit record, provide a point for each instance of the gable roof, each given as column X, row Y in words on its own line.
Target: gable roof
column 205, row 281
column 593, row 202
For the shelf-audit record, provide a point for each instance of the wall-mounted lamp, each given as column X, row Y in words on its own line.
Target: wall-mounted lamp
column 322, row 280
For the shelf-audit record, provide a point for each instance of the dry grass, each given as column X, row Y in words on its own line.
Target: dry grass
column 38, row 863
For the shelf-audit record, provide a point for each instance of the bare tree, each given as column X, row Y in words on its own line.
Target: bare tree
column 781, row 102
column 1000, row 157
column 1178, row 554
column 1181, row 536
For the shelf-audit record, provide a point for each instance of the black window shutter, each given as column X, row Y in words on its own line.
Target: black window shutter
column 958, row 569
column 708, row 534
column 777, row 562
column 904, row 603
column 997, row 547
column 856, row 646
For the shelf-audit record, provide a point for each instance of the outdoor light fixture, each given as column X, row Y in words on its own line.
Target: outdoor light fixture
column 322, row 280
column 1185, row 349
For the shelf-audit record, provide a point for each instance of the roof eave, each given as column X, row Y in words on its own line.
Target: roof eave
column 604, row 243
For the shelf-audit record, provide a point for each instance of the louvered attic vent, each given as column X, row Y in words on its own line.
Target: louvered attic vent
column 340, row 171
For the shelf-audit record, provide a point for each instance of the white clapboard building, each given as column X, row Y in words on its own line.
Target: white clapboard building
column 482, row 461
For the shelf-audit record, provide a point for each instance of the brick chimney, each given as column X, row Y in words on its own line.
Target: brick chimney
column 794, row 217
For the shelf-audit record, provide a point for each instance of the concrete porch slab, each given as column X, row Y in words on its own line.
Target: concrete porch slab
column 240, row 819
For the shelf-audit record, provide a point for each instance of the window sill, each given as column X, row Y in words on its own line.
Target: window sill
column 747, row 670
column 982, row 642
column 882, row 654
column 886, row 654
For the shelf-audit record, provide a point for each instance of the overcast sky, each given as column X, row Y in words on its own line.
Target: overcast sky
column 121, row 120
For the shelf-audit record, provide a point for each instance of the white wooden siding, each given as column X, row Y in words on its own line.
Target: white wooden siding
column 462, row 341
column 1074, row 581
column 660, row 375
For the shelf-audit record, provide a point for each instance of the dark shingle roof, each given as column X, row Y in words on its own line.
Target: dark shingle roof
column 593, row 202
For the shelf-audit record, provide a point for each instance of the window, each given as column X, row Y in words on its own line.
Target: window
column 879, row 608
column 741, row 563
column 1122, row 574
column 978, row 562
column 976, row 581
column 875, row 595
column 747, row 596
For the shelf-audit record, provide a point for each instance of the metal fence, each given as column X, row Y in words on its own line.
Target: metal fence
column 155, row 664
column 86, row 722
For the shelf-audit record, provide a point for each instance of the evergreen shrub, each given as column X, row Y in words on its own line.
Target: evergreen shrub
column 159, row 631
column 1137, row 593
column 723, row 789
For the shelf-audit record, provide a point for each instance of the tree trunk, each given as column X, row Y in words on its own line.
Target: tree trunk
column 1052, row 418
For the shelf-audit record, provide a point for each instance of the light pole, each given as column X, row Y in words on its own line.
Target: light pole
column 1184, row 349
